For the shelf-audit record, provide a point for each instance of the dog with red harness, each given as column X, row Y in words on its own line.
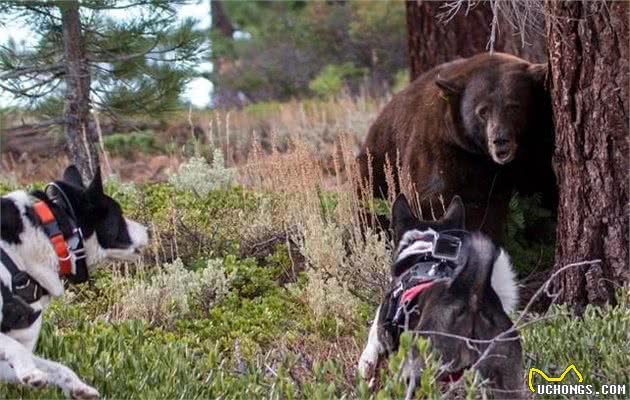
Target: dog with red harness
column 455, row 284
column 46, row 238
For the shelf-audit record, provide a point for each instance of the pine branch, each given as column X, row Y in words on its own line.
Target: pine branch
column 125, row 6
column 17, row 91
column 19, row 72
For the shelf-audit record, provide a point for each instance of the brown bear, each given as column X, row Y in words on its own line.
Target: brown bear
column 478, row 127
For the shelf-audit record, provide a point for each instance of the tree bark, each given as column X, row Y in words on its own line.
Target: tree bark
column 220, row 20
column 431, row 42
column 80, row 136
column 589, row 60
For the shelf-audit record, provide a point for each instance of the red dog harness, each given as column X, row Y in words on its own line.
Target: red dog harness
column 51, row 227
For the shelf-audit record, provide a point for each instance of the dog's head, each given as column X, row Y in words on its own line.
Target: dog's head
column 465, row 305
column 403, row 220
column 107, row 233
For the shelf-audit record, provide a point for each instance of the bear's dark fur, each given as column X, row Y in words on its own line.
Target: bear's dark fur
column 479, row 127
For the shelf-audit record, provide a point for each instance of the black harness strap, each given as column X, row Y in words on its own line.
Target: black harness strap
column 437, row 262
column 75, row 238
column 16, row 311
column 23, row 285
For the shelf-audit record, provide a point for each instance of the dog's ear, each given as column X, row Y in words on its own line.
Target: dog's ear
column 95, row 190
column 455, row 215
column 473, row 278
column 72, row 176
column 402, row 217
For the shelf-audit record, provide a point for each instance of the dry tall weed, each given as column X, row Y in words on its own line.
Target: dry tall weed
column 346, row 260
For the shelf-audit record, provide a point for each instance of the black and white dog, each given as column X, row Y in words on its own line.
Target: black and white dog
column 47, row 237
column 451, row 281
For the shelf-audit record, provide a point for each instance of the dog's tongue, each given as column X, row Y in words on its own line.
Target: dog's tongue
column 411, row 293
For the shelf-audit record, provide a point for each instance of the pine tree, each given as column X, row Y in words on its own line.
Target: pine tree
column 588, row 58
column 121, row 58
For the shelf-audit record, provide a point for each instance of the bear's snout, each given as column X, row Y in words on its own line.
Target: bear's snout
column 502, row 148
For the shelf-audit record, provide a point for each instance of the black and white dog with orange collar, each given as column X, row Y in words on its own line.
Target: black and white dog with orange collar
column 47, row 237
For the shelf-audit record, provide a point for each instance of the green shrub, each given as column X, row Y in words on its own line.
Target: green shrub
column 126, row 144
column 170, row 294
column 264, row 109
column 530, row 234
column 198, row 177
column 595, row 343
column 401, row 80
column 331, row 79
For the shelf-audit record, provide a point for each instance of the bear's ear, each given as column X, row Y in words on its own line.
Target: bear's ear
column 402, row 217
column 455, row 214
column 538, row 72
column 448, row 86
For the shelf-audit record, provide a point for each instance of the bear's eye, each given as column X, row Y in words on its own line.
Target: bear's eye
column 482, row 112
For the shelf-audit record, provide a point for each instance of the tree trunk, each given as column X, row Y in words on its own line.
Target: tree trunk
column 431, row 42
column 220, row 21
column 588, row 57
column 80, row 136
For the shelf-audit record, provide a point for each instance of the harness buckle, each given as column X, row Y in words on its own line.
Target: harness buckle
column 79, row 254
column 75, row 240
column 25, row 288
column 21, row 280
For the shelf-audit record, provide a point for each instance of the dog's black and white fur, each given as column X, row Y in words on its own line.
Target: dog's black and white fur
column 107, row 234
column 406, row 228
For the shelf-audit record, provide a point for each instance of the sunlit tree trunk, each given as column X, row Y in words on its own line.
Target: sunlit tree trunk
column 80, row 136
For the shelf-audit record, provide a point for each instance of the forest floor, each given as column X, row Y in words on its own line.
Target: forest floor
column 258, row 283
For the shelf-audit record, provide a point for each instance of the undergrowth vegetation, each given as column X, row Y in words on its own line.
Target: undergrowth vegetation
column 259, row 282
column 254, row 294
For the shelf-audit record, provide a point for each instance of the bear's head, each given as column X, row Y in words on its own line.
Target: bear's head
column 495, row 100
